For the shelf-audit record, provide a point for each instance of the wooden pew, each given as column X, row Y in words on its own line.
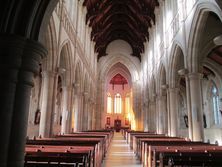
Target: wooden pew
column 105, row 142
column 97, row 143
column 201, row 155
column 99, row 140
column 135, row 136
column 142, row 142
column 164, row 142
column 39, row 156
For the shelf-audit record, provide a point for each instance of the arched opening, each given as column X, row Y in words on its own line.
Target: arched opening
column 207, row 61
column 118, row 98
column 178, row 94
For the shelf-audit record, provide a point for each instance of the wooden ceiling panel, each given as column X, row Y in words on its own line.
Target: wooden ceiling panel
column 216, row 55
column 128, row 20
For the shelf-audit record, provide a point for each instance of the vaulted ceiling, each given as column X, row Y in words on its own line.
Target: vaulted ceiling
column 128, row 20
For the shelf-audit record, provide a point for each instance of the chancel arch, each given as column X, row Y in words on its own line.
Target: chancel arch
column 119, row 61
column 118, row 111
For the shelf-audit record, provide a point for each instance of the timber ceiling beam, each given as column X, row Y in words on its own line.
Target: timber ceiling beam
column 128, row 20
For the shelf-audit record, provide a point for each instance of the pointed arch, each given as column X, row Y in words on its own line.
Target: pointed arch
column 65, row 58
column 176, row 63
column 50, row 42
column 162, row 79
column 197, row 27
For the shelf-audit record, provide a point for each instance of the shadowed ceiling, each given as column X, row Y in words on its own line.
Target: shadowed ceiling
column 128, row 20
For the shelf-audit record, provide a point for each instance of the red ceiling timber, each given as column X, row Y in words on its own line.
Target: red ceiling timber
column 118, row 79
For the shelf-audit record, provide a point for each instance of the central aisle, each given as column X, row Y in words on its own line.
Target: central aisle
column 120, row 154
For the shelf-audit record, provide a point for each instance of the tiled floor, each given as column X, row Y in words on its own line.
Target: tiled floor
column 119, row 154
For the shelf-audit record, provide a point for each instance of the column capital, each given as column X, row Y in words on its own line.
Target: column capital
column 60, row 70
column 173, row 90
column 76, row 85
column 12, row 45
column 195, row 76
column 26, row 55
column 46, row 73
column 69, row 87
column 161, row 97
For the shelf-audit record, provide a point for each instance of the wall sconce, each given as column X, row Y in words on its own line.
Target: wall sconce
column 183, row 71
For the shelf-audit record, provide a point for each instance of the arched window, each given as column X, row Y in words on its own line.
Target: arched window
column 118, row 104
column 215, row 103
column 109, row 103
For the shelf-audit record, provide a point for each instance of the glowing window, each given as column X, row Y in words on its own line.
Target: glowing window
column 109, row 104
column 215, row 103
column 118, row 104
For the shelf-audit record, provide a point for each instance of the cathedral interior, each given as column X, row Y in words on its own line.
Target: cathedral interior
column 117, row 66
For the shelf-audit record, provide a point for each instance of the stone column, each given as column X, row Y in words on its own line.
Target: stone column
column 189, row 112
column 173, row 97
column 64, row 110
column 49, row 84
column 19, row 61
column 161, row 114
column 10, row 49
column 196, row 106
column 93, row 116
column 152, row 118
column 157, row 114
column 77, row 97
column 168, row 129
column 90, row 114
column 76, row 113
column 146, row 115
column 70, row 109
column 85, row 110
column 100, row 105
column 81, row 111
